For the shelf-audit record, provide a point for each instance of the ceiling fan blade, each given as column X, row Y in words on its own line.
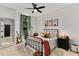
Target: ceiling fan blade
column 39, row 11
column 28, row 8
column 41, row 7
column 32, row 11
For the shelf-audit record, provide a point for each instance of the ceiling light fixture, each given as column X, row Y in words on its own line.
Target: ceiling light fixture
column 35, row 10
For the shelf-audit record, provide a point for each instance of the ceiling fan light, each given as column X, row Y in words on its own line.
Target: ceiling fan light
column 35, row 10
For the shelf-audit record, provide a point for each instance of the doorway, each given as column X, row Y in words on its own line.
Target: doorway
column 8, row 32
column 25, row 27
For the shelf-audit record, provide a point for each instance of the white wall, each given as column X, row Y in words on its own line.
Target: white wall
column 17, row 23
column 68, row 21
column 7, row 12
column 34, row 24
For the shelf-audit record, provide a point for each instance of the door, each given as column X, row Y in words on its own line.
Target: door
column 25, row 25
column 7, row 32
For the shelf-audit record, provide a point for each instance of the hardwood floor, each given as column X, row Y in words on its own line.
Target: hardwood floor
column 62, row 52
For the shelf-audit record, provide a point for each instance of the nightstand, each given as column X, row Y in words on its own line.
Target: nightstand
column 63, row 43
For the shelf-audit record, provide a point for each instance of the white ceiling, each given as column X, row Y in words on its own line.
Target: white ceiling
column 49, row 7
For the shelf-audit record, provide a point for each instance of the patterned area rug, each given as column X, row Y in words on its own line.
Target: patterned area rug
column 62, row 52
column 16, row 50
column 20, row 50
column 24, row 51
column 55, row 52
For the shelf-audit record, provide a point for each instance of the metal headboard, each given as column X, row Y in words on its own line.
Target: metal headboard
column 53, row 32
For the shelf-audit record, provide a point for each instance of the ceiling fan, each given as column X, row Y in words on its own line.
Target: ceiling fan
column 35, row 8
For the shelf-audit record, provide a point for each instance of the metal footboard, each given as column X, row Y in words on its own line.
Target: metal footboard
column 35, row 43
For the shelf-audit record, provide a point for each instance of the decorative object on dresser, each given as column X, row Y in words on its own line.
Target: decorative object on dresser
column 63, row 43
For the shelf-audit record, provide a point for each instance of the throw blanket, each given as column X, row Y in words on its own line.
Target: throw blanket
column 46, row 48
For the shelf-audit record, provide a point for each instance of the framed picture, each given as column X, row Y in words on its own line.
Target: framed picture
column 55, row 22
column 46, row 23
column 53, row 32
column 52, row 22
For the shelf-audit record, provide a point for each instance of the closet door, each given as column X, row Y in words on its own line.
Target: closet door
column 25, row 26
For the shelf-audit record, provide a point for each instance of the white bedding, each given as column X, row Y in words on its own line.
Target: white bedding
column 52, row 42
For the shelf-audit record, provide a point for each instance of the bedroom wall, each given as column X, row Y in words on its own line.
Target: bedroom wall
column 68, row 21
column 34, row 24
column 7, row 12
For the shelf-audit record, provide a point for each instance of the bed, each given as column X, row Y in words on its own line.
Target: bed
column 44, row 45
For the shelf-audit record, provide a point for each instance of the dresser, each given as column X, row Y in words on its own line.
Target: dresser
column 63, row 43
